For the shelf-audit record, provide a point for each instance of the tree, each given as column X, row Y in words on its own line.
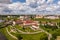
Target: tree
column 19, row 37
column 56, row 33
column 44, row 36
column 58, row 24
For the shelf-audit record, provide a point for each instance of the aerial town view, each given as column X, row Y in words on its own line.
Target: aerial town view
column 29, row 19
column 30, row 27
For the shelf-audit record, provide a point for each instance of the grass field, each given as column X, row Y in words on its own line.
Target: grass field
column 38, row 36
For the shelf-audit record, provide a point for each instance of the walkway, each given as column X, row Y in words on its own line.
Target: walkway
column 10, row 34
column 41, row 30
column 49, row 35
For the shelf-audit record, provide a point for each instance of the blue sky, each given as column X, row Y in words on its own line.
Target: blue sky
column 55, row 1
column 18, row 0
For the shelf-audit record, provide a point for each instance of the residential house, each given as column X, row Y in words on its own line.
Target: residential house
column 39, row 16
column 51, row 17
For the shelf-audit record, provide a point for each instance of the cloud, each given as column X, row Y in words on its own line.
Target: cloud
column 59, row 2
column 5, row 1
column 49, row 1
column 52, row 7
column 30, row 7
column 15, row 6
column 41, row 1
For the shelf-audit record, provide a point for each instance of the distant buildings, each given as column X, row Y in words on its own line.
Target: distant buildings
column 47, row 16
column 39, row 16
column 51, row 17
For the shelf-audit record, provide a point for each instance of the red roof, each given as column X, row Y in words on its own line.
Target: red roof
column 29, row 21
column 18, row 21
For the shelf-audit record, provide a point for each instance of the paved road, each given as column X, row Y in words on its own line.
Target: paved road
column 10, row 34
column 29, row 32
column 49, row 35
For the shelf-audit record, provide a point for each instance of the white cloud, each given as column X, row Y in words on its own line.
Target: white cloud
column 26, row 8
column 15, row 6
column 5, row 1
column 30, row 1
column 49, row 8
column 52, row 7
column 59, row 2
column 41, row 1
column 41, row 8
column 49, row 1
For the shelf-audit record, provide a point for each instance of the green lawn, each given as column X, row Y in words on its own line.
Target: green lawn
column 34, row 37
column 27, row 29
column 43, row 19
column 38, row 36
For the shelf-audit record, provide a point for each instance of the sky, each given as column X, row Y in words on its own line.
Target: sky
column 19, row 1
column 25, row 1
column 19, row 7
column 4, row 1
